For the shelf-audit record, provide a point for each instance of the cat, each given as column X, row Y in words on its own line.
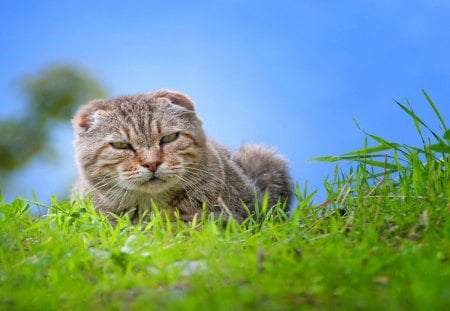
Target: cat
column 138, row 151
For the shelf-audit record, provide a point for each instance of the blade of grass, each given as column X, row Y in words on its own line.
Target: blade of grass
column 447, row 135
column 417, row 119
column 436, row 111
column 417, row 125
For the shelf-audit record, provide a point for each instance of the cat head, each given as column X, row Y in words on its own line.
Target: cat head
column 147, row 143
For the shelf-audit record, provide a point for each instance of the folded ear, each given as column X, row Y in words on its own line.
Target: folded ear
column 87, row 114
column 175, row 98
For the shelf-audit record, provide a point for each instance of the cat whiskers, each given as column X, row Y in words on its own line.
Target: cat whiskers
column 123, row 199
column 194, row 172
column 101, row 184
column 191, row 179
column 187, row 186
column 115, row 192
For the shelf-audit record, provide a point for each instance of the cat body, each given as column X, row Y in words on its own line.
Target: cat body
column 136, row 151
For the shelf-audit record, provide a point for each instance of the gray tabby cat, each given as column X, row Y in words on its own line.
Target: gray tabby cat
column 136, row 150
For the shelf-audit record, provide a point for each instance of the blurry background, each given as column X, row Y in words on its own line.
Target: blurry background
column 292, row 74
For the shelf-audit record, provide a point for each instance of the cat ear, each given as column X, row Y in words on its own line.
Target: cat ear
column 87, row 114
column 175, row 98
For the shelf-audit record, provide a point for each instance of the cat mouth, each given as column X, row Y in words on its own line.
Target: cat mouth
column 154, row 184
column 155, row 179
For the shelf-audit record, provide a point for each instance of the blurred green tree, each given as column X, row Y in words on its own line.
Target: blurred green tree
column 51, row 96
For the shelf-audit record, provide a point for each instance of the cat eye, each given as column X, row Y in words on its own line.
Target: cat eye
column 169, row 138
column 121, row 145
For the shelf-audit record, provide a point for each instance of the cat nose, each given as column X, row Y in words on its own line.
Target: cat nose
column 152, row 166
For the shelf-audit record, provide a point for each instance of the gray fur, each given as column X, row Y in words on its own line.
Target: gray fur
column 190, row 170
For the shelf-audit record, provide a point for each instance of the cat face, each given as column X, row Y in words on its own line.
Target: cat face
column 147, row 143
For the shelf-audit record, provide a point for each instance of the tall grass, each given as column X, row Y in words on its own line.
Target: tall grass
column 396, row 179
column 380, row 241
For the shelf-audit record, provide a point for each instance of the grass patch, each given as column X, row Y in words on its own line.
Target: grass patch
column 380, row 241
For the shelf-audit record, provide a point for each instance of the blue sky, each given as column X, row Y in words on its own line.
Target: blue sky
column 291, row 74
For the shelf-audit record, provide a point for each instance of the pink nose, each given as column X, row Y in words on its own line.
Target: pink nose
column 152, row 166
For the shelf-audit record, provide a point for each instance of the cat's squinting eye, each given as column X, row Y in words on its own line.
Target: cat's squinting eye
column 169, row 138
column 121, row 145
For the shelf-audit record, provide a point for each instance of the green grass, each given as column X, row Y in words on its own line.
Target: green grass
column 380, row 241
